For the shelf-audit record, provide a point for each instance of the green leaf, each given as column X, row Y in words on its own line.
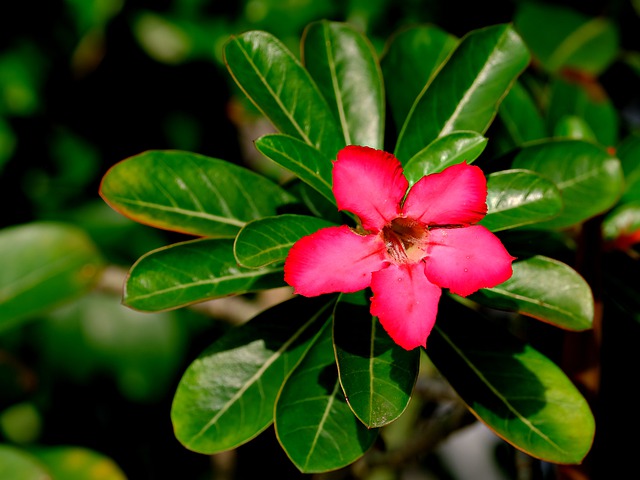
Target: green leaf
column 589, row 179
column 281, row 88
column 588, row 101
column 77, row 463
column 227, row 395
column 515, row 390
column 572, row 126
column 622, row 225
column 301, row 159
column 190, row 193
column 314, row 424
column 191, row 272
column 520, row 116
column 344, row 65
column 546, row 289
column 268, row 240
column 629, row 155
column 450, row 149
column 466, row 92
column 16, row 464
column 569, row 39
column 519, row 197
column 44, row 264
column 411, row 58
column 377, row 376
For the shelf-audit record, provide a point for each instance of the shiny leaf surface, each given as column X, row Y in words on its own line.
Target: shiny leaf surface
column 467, row 90
column 190, row 193
column 190, row 272
column 377, row 376
column 546, row 289
column 281, row 88
column 344, row 65
column 227, row 395
column 268, row 240
column 515, row 390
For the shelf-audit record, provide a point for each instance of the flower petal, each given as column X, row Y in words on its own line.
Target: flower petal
column 333, row 259
column 369, row 183
column 455, row 196
column 405, row 302
column 467, row 259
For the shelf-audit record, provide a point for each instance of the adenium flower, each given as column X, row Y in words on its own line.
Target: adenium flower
column 410, row 244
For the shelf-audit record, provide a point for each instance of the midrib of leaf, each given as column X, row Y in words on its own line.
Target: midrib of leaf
column 40, row 275
column 178, row 210
column 572, row 42
column 577, row 179
column 549, row 306
column 479, row 79
column 504, row 400
column 256, row 377
column 323, row 420
column 212, row 281
column 336, row 87
column 274, row 95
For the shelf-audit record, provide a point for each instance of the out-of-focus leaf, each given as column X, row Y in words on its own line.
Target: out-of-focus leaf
column 515, row 390
column 44, row 264
column 7, row 142
column 519, row 197
column 629, row 155
column 78, row 463
column 314, row 424
column 546, row 289
column 588, row 101
column 16, row 464
column 569, row 39
column 96, row 335
column 621, row 226
column 455, row 147
column 190, row 193
column 588, row 177
column 377, row 376
column 574, row 127
column 191, row 272
column 344, row 66
column 301, row 159
column 227, row 395
column 467, row 91
column 269, row 239
column 520, row 116
column 281, row 88
column 410, row 60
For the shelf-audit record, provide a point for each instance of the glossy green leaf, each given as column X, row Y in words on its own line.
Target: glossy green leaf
column 546, row 289
column 44, row 264
column 411, row 58
column 587, row 101
column 520, row 116
column 515, row 390
column 301, row 159
column 268, row 240
column 377, row 376
column 191, row 272
column 314, row 424
column 450, row 149
column 227, row 395
column 622, row 225
column 588, row 177
column 344, row 65
column 519, row 197
column 629, row 155
column 77, row 463
column 569, row 40
column 190, row 193
column 281, row 88
column 16, row 464
column 467, row 90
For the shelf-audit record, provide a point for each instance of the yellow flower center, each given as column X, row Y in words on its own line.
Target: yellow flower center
column 406, row 240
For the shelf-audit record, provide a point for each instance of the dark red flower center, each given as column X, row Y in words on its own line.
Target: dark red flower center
column 405, row 240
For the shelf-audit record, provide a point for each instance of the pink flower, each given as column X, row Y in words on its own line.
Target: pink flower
column 408, row 248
